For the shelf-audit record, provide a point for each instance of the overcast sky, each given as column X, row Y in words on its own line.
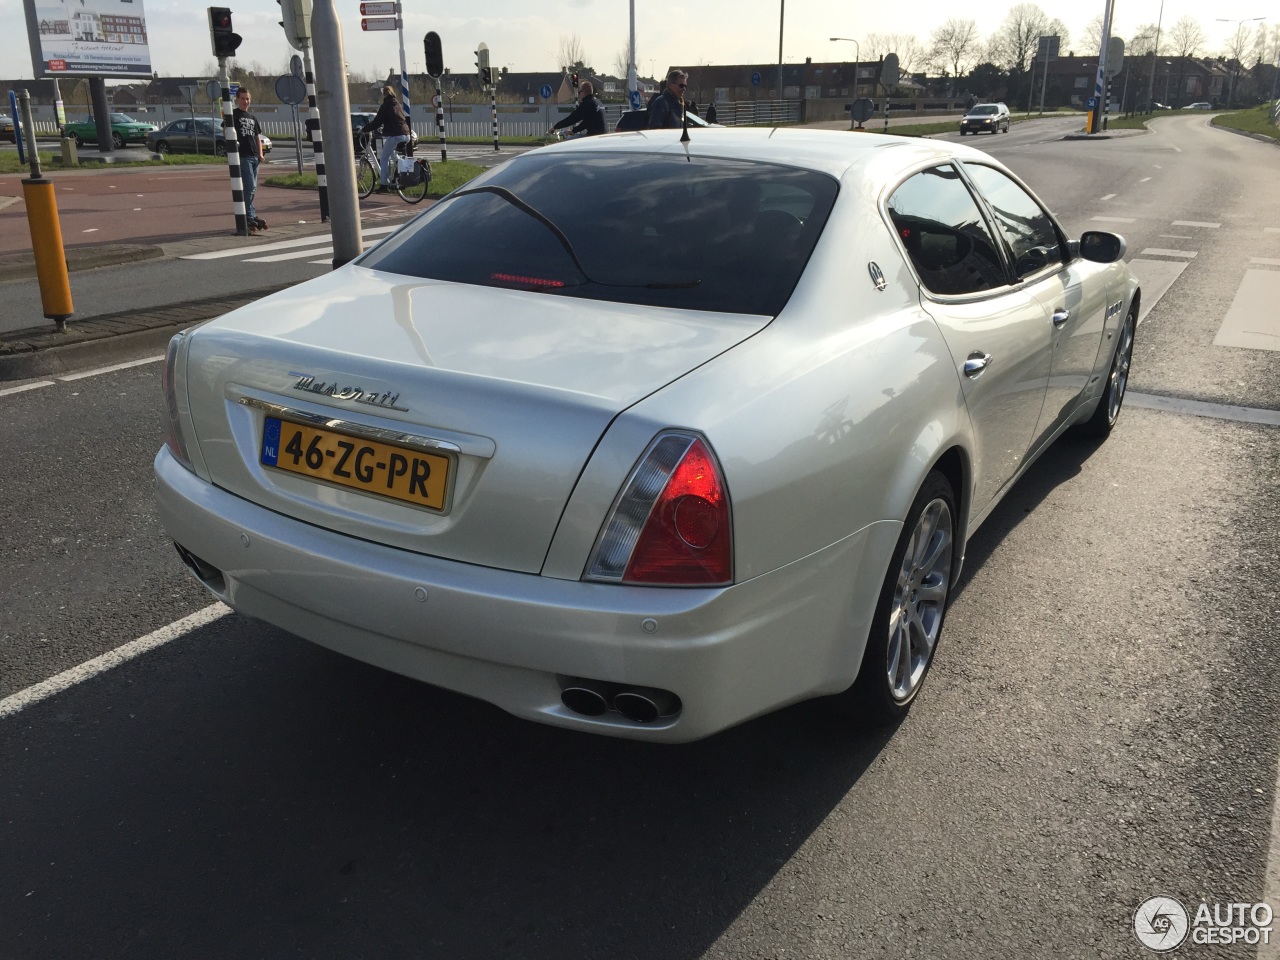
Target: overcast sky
column 525, row 35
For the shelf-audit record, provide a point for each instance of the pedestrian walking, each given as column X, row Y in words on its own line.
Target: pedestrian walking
column 249, row 138
column 667, row 110
column 711, row 112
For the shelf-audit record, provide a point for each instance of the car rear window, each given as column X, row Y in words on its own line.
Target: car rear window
column 693, row 233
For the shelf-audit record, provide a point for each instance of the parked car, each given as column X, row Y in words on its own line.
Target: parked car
column 985, row 117
column 1201, row 105
column 193, row 136
column 639, row 120
column 7, row 128
column 124, row 130
column 653, row 495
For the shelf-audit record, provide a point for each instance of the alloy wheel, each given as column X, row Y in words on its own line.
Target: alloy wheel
column 1120, row 371
column 919, row 600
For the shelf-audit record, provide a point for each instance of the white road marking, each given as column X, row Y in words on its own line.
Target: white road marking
column 1115, row 219
column 1174, row 236
column 90, row 230
column 1252, row 321
column 1158, row 252
column 1107, row 197
column 26, row 386
column 282, row 245
column 111, row 369
column 112, row 658
column 1196, row 223
column 1264, row 262
column 1144, row 179
column 1156, row 277
column 295, row 255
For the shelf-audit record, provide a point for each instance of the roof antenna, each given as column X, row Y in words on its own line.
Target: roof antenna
column 684, row 115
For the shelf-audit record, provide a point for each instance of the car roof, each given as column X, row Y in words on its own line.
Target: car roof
column 829, row 151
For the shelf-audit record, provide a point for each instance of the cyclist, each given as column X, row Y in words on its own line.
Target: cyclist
column 588, row 118
column 393, row 126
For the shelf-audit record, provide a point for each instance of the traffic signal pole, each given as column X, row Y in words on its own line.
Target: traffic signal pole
column 232, row 142
column 1100, row 80
column 404, row 70
column 317, row 137
column 335, row 110
column 435, row 69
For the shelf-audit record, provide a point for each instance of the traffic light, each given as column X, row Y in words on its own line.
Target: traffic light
column 296, row 22
column 224, row 40
column 573, row 79
column 482, row 64
column 435, row 54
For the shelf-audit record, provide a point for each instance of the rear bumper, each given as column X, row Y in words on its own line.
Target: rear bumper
column 515, row 639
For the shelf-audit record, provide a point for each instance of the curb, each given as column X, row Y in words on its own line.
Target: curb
column 22, row 266
column 42, row 351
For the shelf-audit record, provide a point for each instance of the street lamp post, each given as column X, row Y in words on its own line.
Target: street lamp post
column 857, row 52
column 1151, row 87
column 1231, row 90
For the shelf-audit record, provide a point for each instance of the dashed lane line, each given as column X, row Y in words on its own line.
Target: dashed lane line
column 1159, row 252
column 1202, row 408
column 1196, row 223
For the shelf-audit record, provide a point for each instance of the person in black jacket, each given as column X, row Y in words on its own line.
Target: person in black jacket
column 588, row 118
column 667, row 110
column 393, row 125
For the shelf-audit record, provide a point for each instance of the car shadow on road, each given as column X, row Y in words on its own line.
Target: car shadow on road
column 242, row 793
column 1062, row 462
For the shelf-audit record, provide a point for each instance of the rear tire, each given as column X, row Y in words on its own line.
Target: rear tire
column 366, row 178
column 415, row 193
column 117, row 141
column 162, row 147
column 912, row 607
column 1104, row 418
column 219, row 149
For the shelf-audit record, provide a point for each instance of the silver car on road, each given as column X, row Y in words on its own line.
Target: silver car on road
column 646, row 437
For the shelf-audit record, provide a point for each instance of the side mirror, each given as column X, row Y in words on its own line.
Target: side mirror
column 1102, row 247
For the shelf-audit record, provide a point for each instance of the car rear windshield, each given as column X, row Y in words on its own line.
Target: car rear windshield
column 693, row 233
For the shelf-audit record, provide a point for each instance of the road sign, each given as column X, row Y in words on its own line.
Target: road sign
column 378, row 23
column 379, row 9
column 290, row 90
column 889, row 70
column 755, row 79
column 862, row 108
column 1115, row 56
column 213, row 90
column 189, row 92
column 545, row 91
column 295, row 66
column 1091, row 103
column 436, row 101
column 1047, row 48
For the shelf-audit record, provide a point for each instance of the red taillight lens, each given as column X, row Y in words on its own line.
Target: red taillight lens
column 671, row 524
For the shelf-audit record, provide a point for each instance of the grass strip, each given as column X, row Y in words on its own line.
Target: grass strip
column 445, row 178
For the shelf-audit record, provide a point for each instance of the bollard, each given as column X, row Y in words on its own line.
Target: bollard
column 46, row 235
column 70, row 154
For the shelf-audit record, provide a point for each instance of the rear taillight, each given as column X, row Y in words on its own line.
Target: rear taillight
column 168, row 384
column 671, row 524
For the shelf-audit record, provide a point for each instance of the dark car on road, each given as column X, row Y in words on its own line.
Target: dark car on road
column 985, row 118
column 7, row 129
column 193, row 136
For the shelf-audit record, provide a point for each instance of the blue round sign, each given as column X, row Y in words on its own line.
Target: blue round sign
column 1091, row 102
column 755, row 79
column 545, row 91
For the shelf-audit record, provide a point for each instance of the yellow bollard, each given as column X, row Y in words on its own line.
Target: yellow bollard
column 46, row 243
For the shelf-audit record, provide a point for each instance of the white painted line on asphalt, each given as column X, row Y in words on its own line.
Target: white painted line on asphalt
column 1115, row 219
column 26, row 386
column 1107, row 197
column 1144, row 179
column 112, row 658
column 1196, row 223
column 90, row 230
column 1200, row 408
column 1156, row 277
column 281, row 245
column 111, row 369
column 295, row 255
column 1263, row 261
column 1158, row 252
column 1252, row 320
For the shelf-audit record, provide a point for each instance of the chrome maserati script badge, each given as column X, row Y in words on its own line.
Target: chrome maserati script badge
column 307, row 383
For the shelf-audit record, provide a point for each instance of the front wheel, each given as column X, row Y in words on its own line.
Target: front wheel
column 162, row 147
column 1104, row 418
column 75, row 138
column 117, row 141
column 219, row 149
column 912, row 607
column 366, row 178
column 415, row 193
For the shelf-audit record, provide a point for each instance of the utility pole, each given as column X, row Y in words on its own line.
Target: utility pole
column 335, row 111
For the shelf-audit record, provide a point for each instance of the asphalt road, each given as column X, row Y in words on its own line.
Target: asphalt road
column 1100, row 726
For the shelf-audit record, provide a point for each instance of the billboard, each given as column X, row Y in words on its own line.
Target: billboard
column 100, row 38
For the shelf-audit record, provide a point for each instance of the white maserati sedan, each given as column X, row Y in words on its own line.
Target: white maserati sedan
column 643, row 436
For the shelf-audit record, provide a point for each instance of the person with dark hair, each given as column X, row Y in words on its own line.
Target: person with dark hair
column 711, row 112
column 588, row 118
column 393, row 125
column 667, row 109
column 248, row 134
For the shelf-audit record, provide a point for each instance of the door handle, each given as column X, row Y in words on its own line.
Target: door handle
column 976, row 363
column 1061, row 316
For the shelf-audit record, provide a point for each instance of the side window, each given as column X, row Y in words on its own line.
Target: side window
column 944, row 233
column 1022, row 221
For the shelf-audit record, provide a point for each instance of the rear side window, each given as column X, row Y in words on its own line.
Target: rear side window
column 945, row 235
column 693, row 233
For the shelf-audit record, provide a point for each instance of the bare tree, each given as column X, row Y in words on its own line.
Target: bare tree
column 1239, row 47
column 905, row 45
column 954, row 46
column 1059, row 29
column 1185, row 40
column 1092, row 39
column 622, row 60
column 570, row 52
column 1014, row 42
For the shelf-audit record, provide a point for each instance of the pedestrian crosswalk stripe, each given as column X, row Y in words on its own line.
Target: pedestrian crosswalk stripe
column 282, row 245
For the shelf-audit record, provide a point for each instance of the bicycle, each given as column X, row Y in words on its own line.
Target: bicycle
column 411, row 188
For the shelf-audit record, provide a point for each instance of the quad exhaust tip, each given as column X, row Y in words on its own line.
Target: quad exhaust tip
column 592, row 698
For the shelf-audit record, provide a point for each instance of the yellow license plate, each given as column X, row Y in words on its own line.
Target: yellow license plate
column 385, row 469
